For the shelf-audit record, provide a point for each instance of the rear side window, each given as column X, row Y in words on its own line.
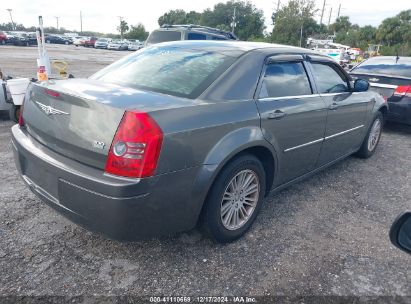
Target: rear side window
column 285, row 79
column 163, row 36
column 329, row 78
column 196, row 36
column 170, row 70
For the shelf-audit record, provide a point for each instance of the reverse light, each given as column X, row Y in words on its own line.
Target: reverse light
column 136, row 146
column 402, row 91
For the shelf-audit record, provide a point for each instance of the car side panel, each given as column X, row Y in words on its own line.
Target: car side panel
column 204, row 134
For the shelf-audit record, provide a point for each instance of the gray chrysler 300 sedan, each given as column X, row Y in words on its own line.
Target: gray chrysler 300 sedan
column 188, row 133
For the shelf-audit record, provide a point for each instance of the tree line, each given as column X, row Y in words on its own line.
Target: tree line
column 292, row 23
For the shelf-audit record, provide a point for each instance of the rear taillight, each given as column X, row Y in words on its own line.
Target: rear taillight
column 136, row 146
column 402, row 91
column 21, row 119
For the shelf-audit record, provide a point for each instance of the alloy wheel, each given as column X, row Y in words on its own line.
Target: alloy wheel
column 374, row 135
column 240, row 199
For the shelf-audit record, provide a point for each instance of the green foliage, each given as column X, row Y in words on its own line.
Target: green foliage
column 122, row 28
column 137, row 32
column 293, row 18
column 249, row 20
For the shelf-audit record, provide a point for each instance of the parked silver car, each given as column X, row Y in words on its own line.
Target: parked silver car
column 102, row 43
column 119, row 45
column 190, row 133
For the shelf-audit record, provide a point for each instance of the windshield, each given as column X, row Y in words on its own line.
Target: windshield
column 388, row 66
column 102, row 40
column 169, row 70
column 163, row 36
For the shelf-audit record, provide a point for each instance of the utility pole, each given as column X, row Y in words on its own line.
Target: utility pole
column 121, row 31
column 11, row 17
column 322, row 13
column 301, row 30
column 278, row 5
column 329, row 18
column 339, row 9
column 57, row 20
column 81, row 23
column 233, row 23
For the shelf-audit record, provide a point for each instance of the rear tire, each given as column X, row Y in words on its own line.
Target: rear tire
column 234, row 199
column 14, row 113
column 372, row 138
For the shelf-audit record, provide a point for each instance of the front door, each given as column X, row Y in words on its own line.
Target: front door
column 293, row 119
column 347, row 111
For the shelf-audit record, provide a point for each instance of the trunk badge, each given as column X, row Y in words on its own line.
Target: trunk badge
column 49, row 110
column 374, row 79
column 98, row 144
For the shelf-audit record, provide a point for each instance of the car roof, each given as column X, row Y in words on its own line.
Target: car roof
column 239, row 47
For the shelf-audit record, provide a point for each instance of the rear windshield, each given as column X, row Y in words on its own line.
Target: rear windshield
column 386, row 67
column 163, row 36
column 169, row 70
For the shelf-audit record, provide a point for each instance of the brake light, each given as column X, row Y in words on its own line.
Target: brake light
column 136, row 146
column 51, row 93
column 402, row 91
column 21, row 119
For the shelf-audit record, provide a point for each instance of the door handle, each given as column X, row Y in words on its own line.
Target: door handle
column 277, row 114
column 333, row 106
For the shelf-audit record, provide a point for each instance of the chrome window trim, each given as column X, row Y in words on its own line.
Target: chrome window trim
column 304, row 145
column 343, row 132
column 334, row 94
column 383, row 85
column 288, row 97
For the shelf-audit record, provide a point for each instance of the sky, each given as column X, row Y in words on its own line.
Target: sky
column 103, row 15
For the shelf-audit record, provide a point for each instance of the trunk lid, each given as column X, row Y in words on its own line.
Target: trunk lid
column 383, row 84
column 78, row 118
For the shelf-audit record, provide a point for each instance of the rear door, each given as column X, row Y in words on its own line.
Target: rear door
column 346, row 110
column 293, row 119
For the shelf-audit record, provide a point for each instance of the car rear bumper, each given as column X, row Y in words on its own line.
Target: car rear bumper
column 400, row 111
column 117, row 207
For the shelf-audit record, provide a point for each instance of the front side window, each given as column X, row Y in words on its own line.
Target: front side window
column 170, row 70
column 329, row 79
column 285, row 79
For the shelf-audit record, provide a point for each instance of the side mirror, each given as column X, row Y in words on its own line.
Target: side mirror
column 361, row 85
column 400, row 232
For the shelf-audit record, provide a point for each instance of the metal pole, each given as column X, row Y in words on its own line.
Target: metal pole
column 329, row 18
column 339, row 9
column 11, row 17
column 121, row 32
column 57, row 19
column 233, row 23
column 301, row 30
column 322, row 13
column 81, row 23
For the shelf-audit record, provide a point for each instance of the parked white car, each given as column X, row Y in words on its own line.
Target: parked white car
column 118, row 45
column 135, row 45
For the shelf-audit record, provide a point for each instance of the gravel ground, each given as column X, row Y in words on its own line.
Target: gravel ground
column 325, row 236
column 21, row 61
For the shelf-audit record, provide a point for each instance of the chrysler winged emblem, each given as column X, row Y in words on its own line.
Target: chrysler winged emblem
column 49, row 110
column 374, row 79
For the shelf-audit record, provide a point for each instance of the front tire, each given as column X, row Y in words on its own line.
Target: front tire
column 234, row 199
column 372, row 138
